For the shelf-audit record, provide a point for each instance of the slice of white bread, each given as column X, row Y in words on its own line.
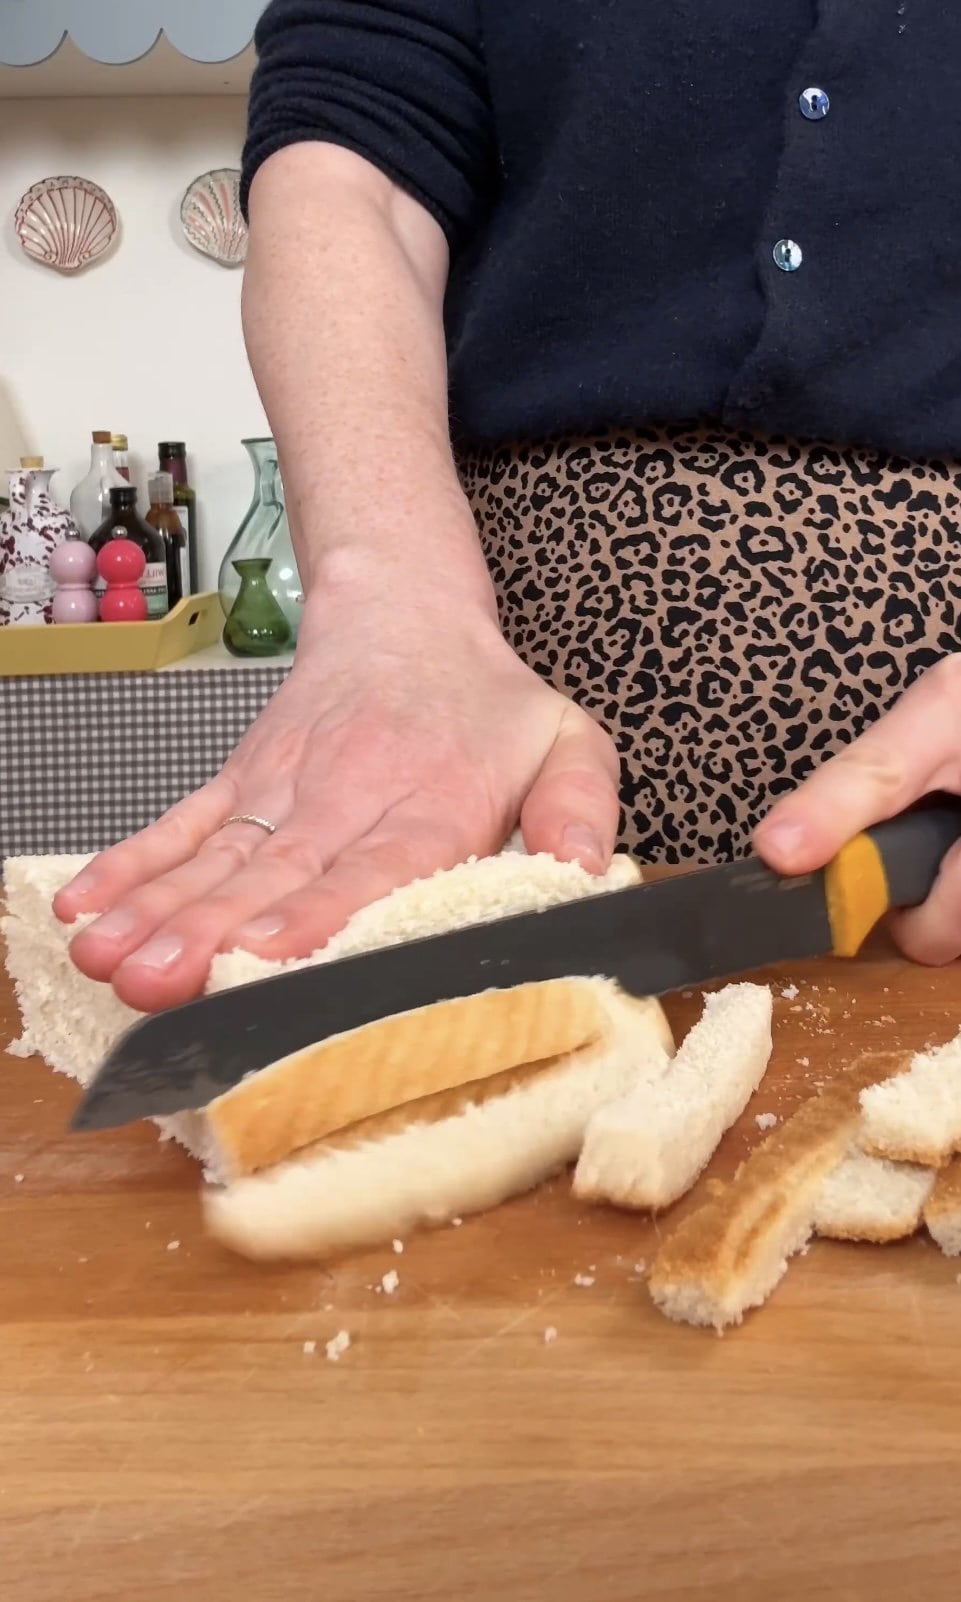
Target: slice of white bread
column 916, row 1117
column 451, row 1155
column 71, row 1021
column 66, row 1019
column 728, row 1255
column 942, row 1212
column 871, row 1199
column 648, row 1148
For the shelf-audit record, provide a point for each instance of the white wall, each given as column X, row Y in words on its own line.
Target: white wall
column 146, row 342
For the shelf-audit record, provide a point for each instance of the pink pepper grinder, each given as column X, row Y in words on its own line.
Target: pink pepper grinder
column 121, row 565
column 72, row 568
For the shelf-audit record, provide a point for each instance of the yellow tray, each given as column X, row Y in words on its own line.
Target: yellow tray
column 112, row 647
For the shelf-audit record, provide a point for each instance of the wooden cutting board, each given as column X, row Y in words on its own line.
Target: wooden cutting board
column 169, row 1423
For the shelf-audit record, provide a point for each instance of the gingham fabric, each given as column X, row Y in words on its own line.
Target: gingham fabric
column 85, row 759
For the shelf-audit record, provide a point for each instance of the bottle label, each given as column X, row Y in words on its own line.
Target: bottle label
column 184, row 562
column 154, row 586
column 26, row 582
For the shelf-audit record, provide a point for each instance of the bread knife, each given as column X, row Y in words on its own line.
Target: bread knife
column 710, row 924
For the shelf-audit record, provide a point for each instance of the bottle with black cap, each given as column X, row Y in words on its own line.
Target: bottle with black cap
column 125, row 523
column 173, row 460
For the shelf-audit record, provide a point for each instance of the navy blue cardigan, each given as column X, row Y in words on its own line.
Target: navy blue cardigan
column 662, row 209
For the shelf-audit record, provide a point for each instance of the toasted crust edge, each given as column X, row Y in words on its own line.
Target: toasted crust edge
column 729, row 1254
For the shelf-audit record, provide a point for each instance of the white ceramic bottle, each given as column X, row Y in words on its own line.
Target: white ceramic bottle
column 31, row 529
column 90, row 501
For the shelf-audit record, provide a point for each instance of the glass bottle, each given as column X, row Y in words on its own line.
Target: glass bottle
column 90, row 501
column 265, row 532
column 125, row 523
column 256, row 625
column 163, row 516
column 172, row 454
column 121, row 455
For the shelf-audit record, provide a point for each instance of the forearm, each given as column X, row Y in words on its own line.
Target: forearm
column 343, row 318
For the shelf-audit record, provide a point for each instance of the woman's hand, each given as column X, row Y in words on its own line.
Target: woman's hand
column 914, row 750
column 408, row 735
column 407, row 738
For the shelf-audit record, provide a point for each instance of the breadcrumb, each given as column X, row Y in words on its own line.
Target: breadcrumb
column 766, row 1120
column 390, row 1282
column 18, row 1179
column 310, row 1348
column 584, row 1279
column 550, row 1335
column 336, row 1348
column 789, row 992
column 398, row 1246
column 173, row 1245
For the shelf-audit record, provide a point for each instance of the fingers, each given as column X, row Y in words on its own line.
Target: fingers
column 180, row 922
column 932, row 934
column 140, row 915
column 914, row 749
column 572, row 809
column 174, row 839
column 405, row 846
column 173, row 966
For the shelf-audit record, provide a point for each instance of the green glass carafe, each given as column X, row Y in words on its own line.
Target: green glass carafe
column 265, row 532
column 256, row 626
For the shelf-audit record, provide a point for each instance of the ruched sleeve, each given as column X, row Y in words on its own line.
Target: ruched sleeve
column 402, row 84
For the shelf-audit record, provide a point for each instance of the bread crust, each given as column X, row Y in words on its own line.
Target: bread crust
column 942, row 1213
column 406, row 1058
column 917, row 1119
column 648, row 1149
column 452, row 1154
column 728, row 1255
column 871, row 1199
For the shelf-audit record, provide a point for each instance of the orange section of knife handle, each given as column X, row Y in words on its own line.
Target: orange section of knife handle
column 857, row 894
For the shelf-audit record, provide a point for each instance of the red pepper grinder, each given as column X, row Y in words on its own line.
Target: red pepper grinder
column 121, row 565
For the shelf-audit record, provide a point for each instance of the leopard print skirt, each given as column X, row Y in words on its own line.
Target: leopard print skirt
column 733, row 609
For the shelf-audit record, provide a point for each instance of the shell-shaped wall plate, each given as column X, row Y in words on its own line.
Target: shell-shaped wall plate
column 65, row 223
column 211, row 217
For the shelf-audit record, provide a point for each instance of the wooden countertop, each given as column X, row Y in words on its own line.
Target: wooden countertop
column 164, row 1433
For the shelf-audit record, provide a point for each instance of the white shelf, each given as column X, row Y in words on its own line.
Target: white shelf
column 218, row 657
column 69, row 73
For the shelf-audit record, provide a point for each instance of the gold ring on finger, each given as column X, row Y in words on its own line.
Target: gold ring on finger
column 251, row 817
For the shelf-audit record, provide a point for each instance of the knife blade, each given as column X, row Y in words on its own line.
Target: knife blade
column 705, row 925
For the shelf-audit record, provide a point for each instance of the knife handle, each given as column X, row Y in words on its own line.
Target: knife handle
column 894, row 864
